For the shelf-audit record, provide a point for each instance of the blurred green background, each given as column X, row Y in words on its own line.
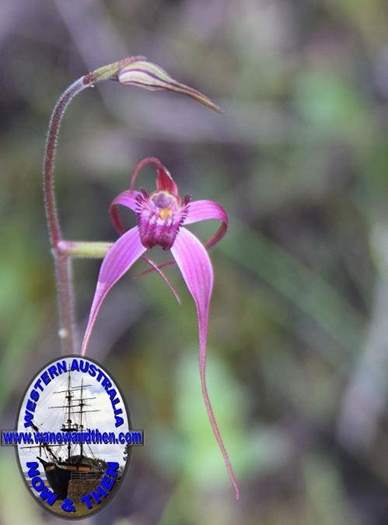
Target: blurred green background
column 298, row 344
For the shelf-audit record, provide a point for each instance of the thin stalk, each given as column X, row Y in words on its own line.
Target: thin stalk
column 62, row 261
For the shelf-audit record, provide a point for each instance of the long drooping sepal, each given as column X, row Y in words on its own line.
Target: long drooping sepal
column 197, row 271
column 125, row 252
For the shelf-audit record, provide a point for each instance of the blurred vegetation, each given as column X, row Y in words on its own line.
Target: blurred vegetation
column 298, row 335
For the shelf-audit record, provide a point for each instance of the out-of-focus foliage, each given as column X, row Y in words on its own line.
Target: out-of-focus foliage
column 298, row 343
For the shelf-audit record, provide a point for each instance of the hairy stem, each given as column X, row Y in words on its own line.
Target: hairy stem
column 62, row 261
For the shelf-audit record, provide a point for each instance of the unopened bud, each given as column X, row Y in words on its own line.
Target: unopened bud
column 150, row 76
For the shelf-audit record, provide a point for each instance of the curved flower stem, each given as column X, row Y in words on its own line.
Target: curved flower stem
column 62, row 260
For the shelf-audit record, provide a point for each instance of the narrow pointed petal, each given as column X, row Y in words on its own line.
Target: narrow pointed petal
column 129, row 199
column 197, row 271
column 205, row 210
column 125, row 251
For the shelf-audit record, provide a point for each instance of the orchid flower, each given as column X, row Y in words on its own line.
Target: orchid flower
column 162, row 217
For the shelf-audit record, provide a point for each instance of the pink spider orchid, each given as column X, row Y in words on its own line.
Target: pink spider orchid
column 161, row 220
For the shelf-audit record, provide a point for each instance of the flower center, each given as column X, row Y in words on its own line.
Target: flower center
column 163, row 199
column 165, row 213
column 159, row 219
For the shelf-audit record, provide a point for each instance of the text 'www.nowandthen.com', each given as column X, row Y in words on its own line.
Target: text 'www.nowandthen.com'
column 90, row 437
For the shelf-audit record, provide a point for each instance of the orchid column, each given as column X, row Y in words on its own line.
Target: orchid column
column 161, row 216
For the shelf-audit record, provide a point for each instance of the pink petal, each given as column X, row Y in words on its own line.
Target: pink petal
column 128, row 199
column 125, row 251
column 205, row 210
column 197, row 271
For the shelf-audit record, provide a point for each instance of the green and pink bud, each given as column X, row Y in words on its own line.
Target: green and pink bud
column 138, row 71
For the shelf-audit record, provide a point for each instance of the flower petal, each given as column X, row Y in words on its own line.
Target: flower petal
column 197, row 271
column 125, row 251
column 128, row 199
column 204, row 210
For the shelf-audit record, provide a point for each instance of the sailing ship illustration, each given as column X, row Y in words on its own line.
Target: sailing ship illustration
column 79, row 470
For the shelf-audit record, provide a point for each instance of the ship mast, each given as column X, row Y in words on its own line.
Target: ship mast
column 72, row 423
column 72, row 402
column 69, row 426
column 81, row 408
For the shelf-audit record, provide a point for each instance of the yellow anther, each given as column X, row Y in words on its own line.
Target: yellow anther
column 165, row 213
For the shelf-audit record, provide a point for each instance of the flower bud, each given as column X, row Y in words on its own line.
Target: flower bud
column 150, row 76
